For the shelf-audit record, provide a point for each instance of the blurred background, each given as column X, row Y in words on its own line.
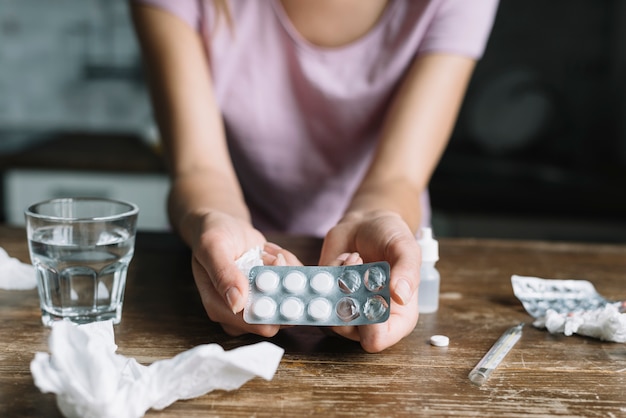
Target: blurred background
column 539, row 151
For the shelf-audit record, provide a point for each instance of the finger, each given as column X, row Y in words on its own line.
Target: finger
column 340, row 260
column 216, row 255
column 280, row 260
column 268, row 259
column 353, row 259
column 347, row 259
column 402, row 320
column 218, row 311
column 349, row 332
column 228, row 281
column 263, row 330
column 272, row 249
column 335, row 244
column 404, row 256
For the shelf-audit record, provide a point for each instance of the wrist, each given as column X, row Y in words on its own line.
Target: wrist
column 359, row 215
column 397, row 198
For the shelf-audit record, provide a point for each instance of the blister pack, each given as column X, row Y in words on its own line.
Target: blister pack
column 319, row 295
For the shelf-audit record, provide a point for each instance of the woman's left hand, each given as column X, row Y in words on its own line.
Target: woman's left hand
column 379, row 236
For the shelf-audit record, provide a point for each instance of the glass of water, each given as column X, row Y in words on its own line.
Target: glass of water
column 81, row 249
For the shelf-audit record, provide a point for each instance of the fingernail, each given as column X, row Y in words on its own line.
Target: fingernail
column 269, row 259
column 233, row 297
column 352, row 258
column 343, row 257
column 403, row 291
column 281, row 260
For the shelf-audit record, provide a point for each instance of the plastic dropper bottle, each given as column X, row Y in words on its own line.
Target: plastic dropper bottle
column 428, row 298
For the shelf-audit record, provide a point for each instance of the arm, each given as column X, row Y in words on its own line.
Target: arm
column 189, row 120
column 416, row 131
column 206, row 204
column 384, row 214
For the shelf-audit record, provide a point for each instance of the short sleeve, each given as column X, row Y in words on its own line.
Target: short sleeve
column 460, row 27
column 186, row 10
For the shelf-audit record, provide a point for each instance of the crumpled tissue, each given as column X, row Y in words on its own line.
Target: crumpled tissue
column 91, row 381
column 251, row 258
column 15, row 275
column 571, row 307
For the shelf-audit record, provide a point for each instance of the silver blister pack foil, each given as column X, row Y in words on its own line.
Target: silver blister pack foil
column 562, row 296
column 571, row 307
column 319, row 295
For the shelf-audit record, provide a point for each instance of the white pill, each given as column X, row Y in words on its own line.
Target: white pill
column 292, row 308
column 319, row 309
column 267, row 281
column 439, row 340
column 322, row 282
column 264, row 308
column 294, row 281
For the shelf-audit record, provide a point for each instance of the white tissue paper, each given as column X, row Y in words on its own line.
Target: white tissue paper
column 249, row 259
column 15, row 275
column 571, row 307
column 91, row 381
column 606, row 323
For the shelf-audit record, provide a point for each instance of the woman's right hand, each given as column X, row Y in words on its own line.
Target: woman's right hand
column 219, row 241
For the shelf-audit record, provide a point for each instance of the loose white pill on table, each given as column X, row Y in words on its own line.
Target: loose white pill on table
column 264, row 307
column 267, row 281
column 294, row 281
column 322, row 282
column 439, row 340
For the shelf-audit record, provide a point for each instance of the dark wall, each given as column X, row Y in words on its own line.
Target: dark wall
column 541, row 133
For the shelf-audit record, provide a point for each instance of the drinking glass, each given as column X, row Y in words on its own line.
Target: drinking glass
column 81, row 249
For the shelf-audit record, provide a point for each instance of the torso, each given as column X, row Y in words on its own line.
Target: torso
column 303, row 120
column 333, row 23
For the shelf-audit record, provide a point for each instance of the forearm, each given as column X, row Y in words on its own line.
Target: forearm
column 199, row 194
column 203, row 181
column 415, row 133
column 393, row 196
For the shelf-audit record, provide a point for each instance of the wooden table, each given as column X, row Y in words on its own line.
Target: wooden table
column 544, row 375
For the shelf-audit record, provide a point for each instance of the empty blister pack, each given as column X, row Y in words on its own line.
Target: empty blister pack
column 319, row 295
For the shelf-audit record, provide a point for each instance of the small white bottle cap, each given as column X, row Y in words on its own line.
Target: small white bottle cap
column 294, row 281
column 439, row 340
column 429, row 245
column 264, row 308
column 322, row 282
column 319, row 309
column 267, row 281
column 292, row 308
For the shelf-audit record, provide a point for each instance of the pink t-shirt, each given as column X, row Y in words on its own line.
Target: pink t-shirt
column 302, row 121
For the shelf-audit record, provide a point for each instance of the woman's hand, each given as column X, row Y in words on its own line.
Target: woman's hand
column 220, row 240
column 379, row 236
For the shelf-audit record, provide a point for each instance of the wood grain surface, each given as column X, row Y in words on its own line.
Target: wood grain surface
column 544, row 374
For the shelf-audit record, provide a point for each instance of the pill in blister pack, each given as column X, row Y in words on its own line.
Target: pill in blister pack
column 319, row 295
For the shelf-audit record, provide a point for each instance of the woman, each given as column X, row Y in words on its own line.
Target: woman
column 318, row 117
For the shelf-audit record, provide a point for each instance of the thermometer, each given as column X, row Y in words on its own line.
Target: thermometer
column 481, row 372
